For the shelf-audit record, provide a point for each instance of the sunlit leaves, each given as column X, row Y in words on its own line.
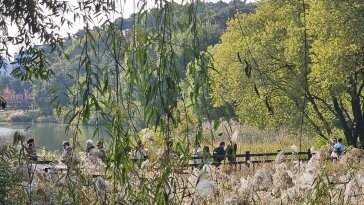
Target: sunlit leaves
column 304, row 55
column 260, row 64
column 336, row 52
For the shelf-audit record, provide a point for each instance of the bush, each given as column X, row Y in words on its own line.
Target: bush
column 22, row 118
column 8, row 179
column 46, row 119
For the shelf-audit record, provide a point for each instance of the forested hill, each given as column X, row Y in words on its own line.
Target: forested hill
column 212, row 16
column 218, row 12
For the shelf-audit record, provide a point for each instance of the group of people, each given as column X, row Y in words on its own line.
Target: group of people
column 91, row 151
column 203, row 156
column 338, row 149
column 95, row 152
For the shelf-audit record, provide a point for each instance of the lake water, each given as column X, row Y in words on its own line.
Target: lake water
column 49, row 136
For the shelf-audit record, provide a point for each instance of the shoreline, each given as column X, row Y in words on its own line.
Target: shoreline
column 26, row 116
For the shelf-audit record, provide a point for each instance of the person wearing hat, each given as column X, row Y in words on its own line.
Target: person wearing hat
column 31, row 150
column 102, row 151
column 67, row 152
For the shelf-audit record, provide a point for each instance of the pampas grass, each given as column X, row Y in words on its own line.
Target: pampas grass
column 284, row 181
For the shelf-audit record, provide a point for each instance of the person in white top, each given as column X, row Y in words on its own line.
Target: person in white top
column 90, row 149
column 197, row 152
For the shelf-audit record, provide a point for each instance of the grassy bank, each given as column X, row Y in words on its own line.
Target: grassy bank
column 25, row 116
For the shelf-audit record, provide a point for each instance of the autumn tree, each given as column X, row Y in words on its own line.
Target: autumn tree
column 294, row 59
column 337, row 54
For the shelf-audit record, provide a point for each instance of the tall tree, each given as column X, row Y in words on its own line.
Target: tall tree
column 260, row 64
column 300, row 58
column 337, row 57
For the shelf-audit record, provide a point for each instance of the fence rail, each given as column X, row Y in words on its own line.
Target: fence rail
column 247, row 158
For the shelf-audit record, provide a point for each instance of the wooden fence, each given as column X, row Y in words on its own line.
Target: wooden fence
column 248, row 158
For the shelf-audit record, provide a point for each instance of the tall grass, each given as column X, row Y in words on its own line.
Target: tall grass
column 319, row 181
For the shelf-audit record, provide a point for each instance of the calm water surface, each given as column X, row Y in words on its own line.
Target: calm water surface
column 49, row 136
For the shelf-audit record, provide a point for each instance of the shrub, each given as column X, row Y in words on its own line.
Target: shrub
column 22, row 118
column 8, row 179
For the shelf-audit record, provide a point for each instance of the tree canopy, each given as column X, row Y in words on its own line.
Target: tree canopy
column 295, row 57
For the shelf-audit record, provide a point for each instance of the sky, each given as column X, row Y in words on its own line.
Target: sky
column 128, row 7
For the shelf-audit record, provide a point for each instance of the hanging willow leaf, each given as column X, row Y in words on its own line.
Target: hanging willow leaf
column 269, row 106
column 256, row 90
column 248, row 69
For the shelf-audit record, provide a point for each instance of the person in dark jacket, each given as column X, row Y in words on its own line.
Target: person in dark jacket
column 67, row 153
column 219, row 153
column 102, row 151
column 31, row 150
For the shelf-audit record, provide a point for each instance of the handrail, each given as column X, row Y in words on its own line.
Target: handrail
column 261, row 154
column 248, row 156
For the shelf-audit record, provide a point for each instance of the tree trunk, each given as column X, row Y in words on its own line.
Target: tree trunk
column 350, row 138
column 357, row 113
column 319, row 114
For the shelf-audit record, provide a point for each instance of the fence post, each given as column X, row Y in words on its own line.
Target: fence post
column 309, row 154
column 247, row 157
